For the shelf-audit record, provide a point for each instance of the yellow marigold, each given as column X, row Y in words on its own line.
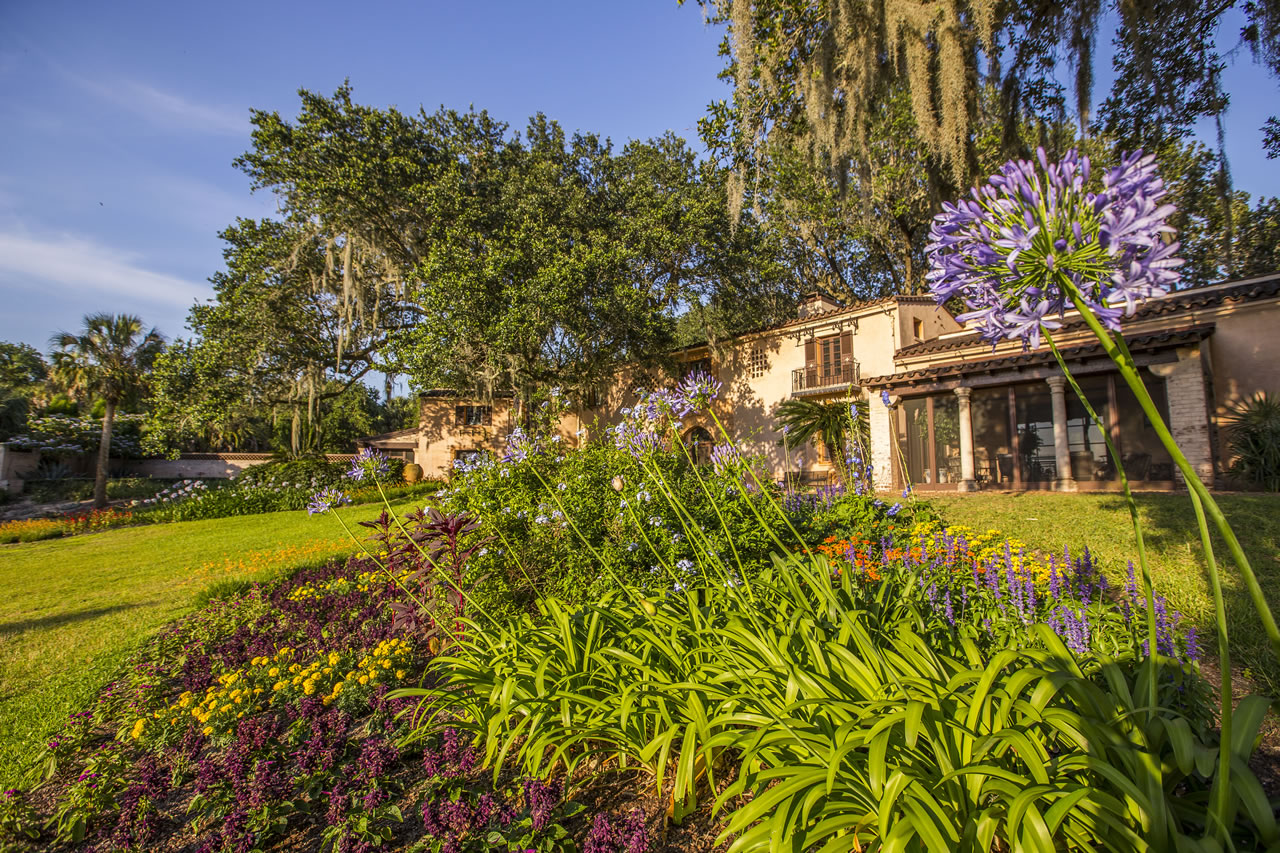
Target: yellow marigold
column 334, row 657
column 227, row 707
column 309, row 687
column 364, row 679
column 274, row 671
column 208, row 730
column 138, row 727
column 399, row 673
column 279, row 685
column 337, row 688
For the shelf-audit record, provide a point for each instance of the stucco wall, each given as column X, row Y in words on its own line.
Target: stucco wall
column 440, row 437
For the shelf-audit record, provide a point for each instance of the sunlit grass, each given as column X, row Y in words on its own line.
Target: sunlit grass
column 1048, row 521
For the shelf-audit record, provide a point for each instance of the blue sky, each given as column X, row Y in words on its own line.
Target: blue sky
column 121, row 119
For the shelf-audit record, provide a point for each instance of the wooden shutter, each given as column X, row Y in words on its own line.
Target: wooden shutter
column 846, row 357
column 810, row 363
column 488, row 415
column 460, row 416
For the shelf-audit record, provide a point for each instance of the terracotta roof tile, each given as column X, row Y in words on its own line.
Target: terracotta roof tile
column 1180, row 300
column 1155, row 340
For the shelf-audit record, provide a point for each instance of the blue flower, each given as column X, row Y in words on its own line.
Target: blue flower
column 370, row 464
column 884, row 398
column 1024, row 244
column 894, row 510
column 326, row 500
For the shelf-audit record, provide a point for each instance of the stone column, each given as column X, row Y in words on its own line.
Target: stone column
column 967, row 482
column 1061, row 450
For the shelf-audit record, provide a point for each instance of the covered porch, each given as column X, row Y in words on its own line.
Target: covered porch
column 1014, row 422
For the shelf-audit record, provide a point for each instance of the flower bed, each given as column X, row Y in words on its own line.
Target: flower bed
column 35, row 529
column 268, row 716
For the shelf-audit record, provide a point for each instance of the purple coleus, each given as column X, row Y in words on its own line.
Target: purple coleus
column 1015, row 249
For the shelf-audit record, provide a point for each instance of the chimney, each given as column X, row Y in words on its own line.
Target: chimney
column 816, row 303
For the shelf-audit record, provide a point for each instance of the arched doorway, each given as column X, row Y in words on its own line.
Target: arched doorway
column 698, row 440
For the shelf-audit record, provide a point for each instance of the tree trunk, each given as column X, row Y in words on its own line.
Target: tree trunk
column 104, row 455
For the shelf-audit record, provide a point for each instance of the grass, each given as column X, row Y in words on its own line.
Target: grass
column 1048, row 521
column 74, row 608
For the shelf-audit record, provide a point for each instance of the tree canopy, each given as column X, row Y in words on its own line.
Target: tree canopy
column 449, row 248
column 851, row 122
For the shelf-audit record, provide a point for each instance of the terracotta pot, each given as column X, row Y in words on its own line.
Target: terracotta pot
column 412, row 472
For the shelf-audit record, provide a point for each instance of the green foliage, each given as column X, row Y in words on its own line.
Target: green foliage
column 223, row 590
column 276, row 487
column 562, row 528
column 60, row 435
column 848, row 125
column 855, row 518
column 829, row 422
column 1253, row 430
column 68, row 489
column 845, row 722
column 21, row 366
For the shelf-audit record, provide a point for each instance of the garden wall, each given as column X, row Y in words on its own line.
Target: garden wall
column 15, row 467
column 204, row 466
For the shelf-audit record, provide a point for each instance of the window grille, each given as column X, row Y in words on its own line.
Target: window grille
column 757, row 363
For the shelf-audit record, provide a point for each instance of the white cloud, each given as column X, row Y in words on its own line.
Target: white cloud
column 76, row 267
column 165, row 109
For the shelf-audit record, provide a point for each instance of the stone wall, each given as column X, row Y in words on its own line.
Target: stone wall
column 16, row 466
column 881, row 444
column 203, row 466
column 1189, row 409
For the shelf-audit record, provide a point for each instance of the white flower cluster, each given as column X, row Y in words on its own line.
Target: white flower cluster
column 179, row 491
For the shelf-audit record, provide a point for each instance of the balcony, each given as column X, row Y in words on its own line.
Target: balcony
column 816, row 380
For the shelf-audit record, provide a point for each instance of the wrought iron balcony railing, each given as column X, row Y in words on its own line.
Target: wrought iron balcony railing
column 813, row 380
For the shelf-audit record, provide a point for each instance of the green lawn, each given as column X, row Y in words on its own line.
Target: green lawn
column 1048, row 521
column 72, row 609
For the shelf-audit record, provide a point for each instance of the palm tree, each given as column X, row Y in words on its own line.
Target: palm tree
column 107, row 359
column 829, row 421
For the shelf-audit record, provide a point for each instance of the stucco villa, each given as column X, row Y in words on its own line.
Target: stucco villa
column 962, row 415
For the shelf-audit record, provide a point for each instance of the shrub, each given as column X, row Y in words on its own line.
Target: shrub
column 270, row 487
column 1253, row 429
column 573, row 525
column 223, row 590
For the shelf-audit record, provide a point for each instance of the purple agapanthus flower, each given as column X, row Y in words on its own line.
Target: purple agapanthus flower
column 327, row 499
column 699, row 389
column 1011, row 248
column 370, row 463
column 884, row 398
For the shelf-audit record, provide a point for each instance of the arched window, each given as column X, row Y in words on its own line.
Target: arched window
column 698, row 440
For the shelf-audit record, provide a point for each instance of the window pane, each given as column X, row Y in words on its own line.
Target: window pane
column 1143, row 455
column 992, row 451
column 1035, row 433
column 946, row 437
column 916, row 441
column 1087, row 445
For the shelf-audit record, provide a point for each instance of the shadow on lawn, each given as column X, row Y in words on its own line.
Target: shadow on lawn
column 1170, row 522
column 56, row 619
